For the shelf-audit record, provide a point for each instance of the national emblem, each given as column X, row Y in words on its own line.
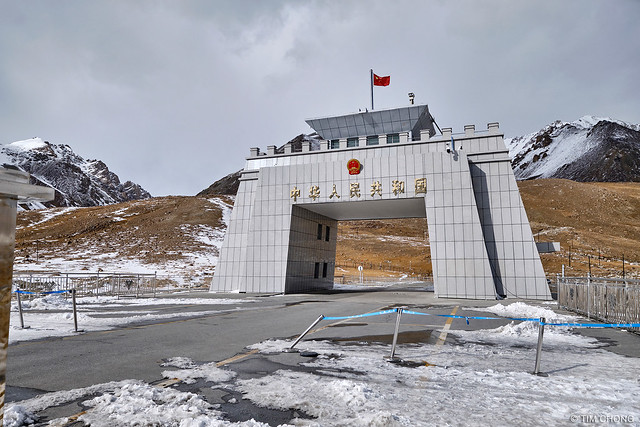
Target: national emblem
column 354, row 167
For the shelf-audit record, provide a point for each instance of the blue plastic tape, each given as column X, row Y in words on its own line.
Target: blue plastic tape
column 377, row 313
column 594, row 325
column 18, row 291
column 452, row 316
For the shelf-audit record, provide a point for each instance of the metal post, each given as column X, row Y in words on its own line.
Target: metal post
column 536, row 370
column 290, row 349
column 589, row 295
column 75, row 311
column 155, row 273
column 371, row 71
column 393, row 357
column 20, row 308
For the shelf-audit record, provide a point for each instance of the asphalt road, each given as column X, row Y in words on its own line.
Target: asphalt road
column 137, row 351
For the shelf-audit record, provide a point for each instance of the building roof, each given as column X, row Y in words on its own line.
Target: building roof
column 378, row 122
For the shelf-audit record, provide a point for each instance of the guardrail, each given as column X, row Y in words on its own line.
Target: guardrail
column 89, row 284
column 609, row 300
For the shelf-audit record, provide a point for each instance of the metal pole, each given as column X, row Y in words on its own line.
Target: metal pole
column 395, row 335
column 75, row 311
column 371, row 71
column 290, row 349
column 536, row 370
column 588, row 296
column 20, row 308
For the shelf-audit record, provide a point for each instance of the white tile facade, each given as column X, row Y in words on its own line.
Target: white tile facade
column 481, row 242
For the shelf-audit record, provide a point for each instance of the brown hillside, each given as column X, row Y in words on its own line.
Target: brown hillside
column 153, row 231
column 587, row 218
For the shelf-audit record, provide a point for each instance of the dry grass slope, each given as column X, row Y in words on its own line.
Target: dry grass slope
column 587, row 218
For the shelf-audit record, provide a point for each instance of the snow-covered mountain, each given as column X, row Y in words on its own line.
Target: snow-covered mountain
column 78, row 182
column 588, row 149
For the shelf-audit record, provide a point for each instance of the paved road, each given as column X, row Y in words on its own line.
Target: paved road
column 136, row 351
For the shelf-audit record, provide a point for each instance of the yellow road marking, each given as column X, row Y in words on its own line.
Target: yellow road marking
column 447, row 325
column 236, row 357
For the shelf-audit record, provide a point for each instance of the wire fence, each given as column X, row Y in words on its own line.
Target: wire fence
column 382, row 266
column 93, row 284
column 609, row 300
column 348, row 279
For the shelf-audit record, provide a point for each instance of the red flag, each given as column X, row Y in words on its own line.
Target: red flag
column 381, row 81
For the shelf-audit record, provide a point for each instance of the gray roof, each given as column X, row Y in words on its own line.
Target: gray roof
column 378, row 122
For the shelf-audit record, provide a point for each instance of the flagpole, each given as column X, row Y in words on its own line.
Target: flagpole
column 371, row 70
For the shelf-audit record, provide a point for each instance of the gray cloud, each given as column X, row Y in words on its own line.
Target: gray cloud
column 173, row 94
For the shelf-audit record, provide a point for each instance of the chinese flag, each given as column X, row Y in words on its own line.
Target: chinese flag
column 381, row 81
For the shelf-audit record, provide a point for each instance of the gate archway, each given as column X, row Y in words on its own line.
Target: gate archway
column 382, row 164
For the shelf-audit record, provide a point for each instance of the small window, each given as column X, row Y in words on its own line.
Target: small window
column 352, row 142
column 324, row 270
column 316, row 270
column 372, row 140
column 328, row 231
column 393, row 138
column 319, row 231
column 335, row 143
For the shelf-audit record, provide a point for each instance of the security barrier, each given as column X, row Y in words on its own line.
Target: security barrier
column 403, row 310
column 18, row 292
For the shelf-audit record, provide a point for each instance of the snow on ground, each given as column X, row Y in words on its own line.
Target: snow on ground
column 92, row 316
column 487, row 381
column 526, row 332
column 480, row 382
column 125, row 403
column 189, row 373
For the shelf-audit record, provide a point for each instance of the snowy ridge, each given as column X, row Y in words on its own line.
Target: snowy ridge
column 588, row 149
column 78, row 182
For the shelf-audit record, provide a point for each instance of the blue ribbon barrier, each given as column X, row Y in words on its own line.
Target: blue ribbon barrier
column 594, row 325
column 18, row 291
column 377, row 313
column 452, row 316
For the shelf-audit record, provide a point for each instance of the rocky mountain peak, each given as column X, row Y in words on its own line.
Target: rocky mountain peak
column 78, row 182
column 588, row 149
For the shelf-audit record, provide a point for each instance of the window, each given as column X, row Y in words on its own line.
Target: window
column 319, row 231
column 324, row 270
column 372, row 140
column 335, row 143
column 393, row 138
column 316, row 270
column 326, row 236
column 352, row 142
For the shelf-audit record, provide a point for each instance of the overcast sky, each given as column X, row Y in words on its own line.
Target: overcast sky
column 172, row 94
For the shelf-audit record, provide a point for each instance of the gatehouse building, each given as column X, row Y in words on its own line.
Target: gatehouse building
column 379, row 164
